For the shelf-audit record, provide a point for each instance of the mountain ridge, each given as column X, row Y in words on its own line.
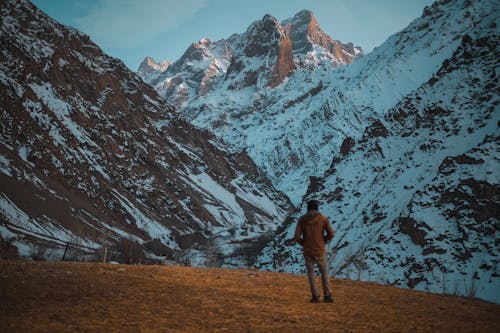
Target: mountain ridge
column 426, row 215
column 283, row 45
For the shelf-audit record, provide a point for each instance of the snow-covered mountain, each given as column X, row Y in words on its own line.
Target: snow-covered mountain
column 90, row 154
column 415, row 199
column 293, row 130
column 400, row 145
column 255, row 91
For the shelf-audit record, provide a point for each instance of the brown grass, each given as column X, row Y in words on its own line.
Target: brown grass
column 89, row 297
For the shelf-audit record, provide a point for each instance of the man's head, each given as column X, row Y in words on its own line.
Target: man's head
column 312, row 205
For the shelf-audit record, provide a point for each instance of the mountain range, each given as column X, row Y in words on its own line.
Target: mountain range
column 210, row 158
column 400, row 145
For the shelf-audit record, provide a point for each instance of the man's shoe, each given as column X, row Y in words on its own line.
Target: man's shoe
column 328, row 299
column 315, row 299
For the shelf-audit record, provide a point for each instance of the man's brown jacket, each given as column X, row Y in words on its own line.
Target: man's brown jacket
column 310, row 233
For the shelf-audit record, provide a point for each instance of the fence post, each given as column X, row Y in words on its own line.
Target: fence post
column 65, row 250
column 105, row 254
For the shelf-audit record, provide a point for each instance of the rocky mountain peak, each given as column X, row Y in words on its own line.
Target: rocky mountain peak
column 205, row 42
column 305, row 14
column 262, row 36
column 265, row 26
column 305, row 31
column 261, row 57
column 301, row 20
column 149, row 65
column 195, row 52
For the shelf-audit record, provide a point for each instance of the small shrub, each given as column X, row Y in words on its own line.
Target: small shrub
column 126, row 251
column 38, row 253
column 471, row 288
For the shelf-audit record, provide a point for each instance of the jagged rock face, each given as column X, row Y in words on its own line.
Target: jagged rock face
column 262, row 37
column 305, row 32
column 199, row 69
column 284, row 64
column 263, row 42
column 415, row 198
column 90, row 154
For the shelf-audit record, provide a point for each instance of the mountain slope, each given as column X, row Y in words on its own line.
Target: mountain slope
column 91, row 155
column 415, row 201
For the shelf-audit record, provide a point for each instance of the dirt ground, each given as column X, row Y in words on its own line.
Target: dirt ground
column 90, row 297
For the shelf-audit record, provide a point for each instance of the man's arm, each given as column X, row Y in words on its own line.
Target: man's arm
column 329, row 231
column 298, row 233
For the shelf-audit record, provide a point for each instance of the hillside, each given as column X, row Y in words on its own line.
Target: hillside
column 91, row 155
column 120, row 298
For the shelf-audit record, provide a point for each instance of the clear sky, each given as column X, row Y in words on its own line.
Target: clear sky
column 163, row 29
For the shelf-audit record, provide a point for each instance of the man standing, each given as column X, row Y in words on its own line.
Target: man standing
column 310, row 233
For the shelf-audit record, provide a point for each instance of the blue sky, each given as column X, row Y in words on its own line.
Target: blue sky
column 163, row 29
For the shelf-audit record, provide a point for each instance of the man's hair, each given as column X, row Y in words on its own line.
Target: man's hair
column 312, row 205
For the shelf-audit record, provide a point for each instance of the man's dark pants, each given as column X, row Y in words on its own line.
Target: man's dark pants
column 321, row 261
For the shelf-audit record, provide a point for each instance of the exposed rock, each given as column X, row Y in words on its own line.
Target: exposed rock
column 413, row 229
column 305, row 32
column 263, row 37
column 376, row 129
column 284, row 63
column 347, row 145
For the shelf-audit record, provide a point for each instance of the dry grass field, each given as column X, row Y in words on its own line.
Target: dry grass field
column 90, row 297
